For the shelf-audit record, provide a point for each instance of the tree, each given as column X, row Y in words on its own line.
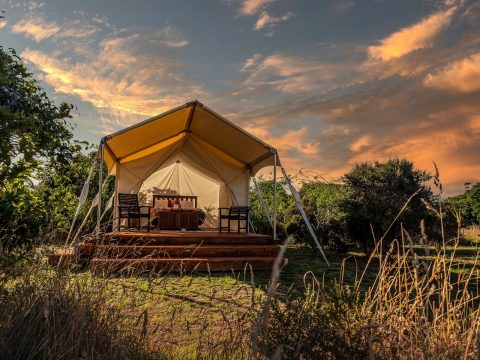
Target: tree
column 469, row 204
column 322, row 204
column 376, row 194
column 257, row 214
column 32, row 130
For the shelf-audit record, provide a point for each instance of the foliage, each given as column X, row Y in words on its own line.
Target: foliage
column 257, row 214
column 32, row 129
column 469, row 205
column 375, row 195
column 59, row 186
column 317, row 325
column 321, row 202
column 32, row 126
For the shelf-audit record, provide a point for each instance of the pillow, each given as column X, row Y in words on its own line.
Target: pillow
column 187, row 204
column 161, row 203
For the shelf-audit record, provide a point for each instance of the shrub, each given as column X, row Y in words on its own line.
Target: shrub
column 376, row 194
column 322, row 204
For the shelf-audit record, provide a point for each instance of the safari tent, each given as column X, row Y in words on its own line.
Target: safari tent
column 193, row 151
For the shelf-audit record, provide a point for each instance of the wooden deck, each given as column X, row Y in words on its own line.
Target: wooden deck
column 174, row 251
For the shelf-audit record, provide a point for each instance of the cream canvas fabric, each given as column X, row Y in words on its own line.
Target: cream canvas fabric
column 190, row 150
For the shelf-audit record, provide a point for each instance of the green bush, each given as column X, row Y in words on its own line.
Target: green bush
column 322, row 204
column 375, row 195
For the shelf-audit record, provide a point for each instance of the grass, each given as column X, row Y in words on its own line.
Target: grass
column 212, row 316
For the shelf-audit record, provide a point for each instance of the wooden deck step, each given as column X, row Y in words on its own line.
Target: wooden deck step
column 186, row 238
column 166, row 251
column 62, row 258
column 133, row 266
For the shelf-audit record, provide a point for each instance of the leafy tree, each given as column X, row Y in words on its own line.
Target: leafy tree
column 376, row 194
column 257, row 215
column 469, row 204
column 32, row 130
column 60, row 184
column 322, row 204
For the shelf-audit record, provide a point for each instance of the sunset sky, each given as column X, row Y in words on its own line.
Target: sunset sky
column 329, row 83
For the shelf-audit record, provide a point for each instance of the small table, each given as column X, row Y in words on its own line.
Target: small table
column 172, row 219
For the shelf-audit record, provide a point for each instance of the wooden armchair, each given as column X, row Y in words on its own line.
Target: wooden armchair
column 238, row 214
column 128, row 208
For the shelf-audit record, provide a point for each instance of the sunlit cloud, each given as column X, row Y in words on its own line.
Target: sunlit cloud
column 269, row 21
column 415, row 37
column 288, row 73
column 121, row 78
column 3, row 23
column 462, row 75
column 361, row 143
column 251, row 7
column 37, row 28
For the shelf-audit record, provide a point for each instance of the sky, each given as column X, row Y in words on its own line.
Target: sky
column 328, row 83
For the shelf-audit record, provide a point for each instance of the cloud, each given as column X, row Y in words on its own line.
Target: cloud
column 3, row 23
column 124, row 76
column 268, row 21
column 289, row 74
column 36, row 27
column 361, row 143
column 342, row 7
column 251, row 7
column 409, row 39
column 251, row 62
column 462, row 76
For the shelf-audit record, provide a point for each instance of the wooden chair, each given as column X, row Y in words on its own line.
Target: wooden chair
column 128, row 208
column 240, row 214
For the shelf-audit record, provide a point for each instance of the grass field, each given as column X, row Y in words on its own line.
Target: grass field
column 212, row 315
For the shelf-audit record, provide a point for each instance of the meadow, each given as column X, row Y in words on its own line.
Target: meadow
column 404, row 304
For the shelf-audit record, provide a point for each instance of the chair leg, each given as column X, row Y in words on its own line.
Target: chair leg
column 228, row 224
column 148, row 224
column 238, row 226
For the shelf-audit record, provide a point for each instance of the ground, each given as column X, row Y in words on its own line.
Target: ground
column 182, row 314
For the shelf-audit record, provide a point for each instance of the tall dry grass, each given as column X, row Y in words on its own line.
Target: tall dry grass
column 415, row 309
column 49, row 315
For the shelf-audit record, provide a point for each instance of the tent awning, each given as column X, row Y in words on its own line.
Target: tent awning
column 212, row 132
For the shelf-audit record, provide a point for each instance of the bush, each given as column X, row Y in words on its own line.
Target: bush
column 375, row 195
column 322, row 204
column 257, row 214
column 326, row 324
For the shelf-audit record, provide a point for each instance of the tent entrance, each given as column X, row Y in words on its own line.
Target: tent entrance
column 180, row 179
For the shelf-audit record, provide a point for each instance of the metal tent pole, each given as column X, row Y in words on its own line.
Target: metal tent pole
column 275, row 196
column 100, row 181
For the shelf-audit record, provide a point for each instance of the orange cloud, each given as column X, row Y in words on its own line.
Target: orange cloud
column 361, row 143
column 117, row 79
column 417, row 36
column 462, row 75
column 36, row 28
column 251, row 7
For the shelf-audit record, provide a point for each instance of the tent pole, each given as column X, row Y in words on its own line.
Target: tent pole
column 275, row 196
column 298, row 202
column 100, row 181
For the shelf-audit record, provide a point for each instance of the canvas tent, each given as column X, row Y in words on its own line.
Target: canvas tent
column 190, row 150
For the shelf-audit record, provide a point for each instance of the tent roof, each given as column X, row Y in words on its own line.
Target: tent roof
column 213, row 132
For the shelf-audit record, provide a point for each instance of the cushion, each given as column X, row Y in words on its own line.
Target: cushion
column 187, row 204
column 161, row 203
